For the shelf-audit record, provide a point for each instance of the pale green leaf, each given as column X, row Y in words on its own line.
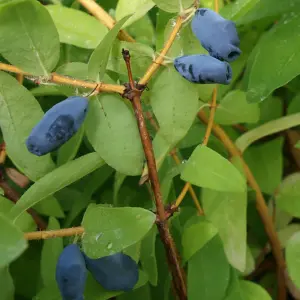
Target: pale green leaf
column 29, row 39
column 57, row 180
column 76, row 27
column 173, row 5
column 196, row 236
column 208, row 169
column 287, row 198
column 293, row 258
column 111, row 129
column 234, row 108
column 236, row 10
column 227, row 212
column 19, row 113
column 109, row 230
column 6, row 284
column 137, row 8
column 252, row 291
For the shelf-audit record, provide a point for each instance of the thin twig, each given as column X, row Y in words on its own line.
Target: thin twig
column 43, row 235
column 159, row 60
column 96, row 10
column 260, row 206
column 60, row 79
column 178, row 162
column 162, row 224
column 14, row 196
column 182, row 194
column 20, row 78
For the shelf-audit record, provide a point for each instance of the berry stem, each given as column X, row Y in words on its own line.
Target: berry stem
column 260, row 205
column 97, row 11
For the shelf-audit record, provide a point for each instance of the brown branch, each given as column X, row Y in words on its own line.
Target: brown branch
column 178, row 162
column 60, row 79
column 172, row 255
column 97, row 11
column 159, row 60
column 43, row 235
column 260, row 206
column 14, row 196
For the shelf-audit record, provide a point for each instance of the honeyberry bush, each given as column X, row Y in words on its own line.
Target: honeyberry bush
column 93, row 180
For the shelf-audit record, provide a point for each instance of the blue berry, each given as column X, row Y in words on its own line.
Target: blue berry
column 71, row 273
column 200, row 68
column 57, row 126
column 117, row 272
column 216, row 34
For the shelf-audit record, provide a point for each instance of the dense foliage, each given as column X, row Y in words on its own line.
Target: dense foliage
column 94, row 183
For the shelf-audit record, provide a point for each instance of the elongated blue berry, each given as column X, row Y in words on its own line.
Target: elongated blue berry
column 200, row 68
column 216, row 34
column 117, row 272
column 57, row 126
column 71, row 273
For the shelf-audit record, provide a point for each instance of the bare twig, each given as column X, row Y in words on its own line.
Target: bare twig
column 96, row 10
column 43, row 235
column 60, row 79
column 260, row 206
column 172, row 255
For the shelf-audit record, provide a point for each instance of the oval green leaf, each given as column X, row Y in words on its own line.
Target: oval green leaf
column 293, row 258
column 109, row 230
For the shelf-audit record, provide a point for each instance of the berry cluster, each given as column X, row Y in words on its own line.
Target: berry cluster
column 117, row 272
column 219, row 37
column 57, row 126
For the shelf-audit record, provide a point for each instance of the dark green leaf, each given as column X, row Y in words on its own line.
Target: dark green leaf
column 6, row 285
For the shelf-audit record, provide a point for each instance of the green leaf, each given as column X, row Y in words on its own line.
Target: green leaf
column 293, row 258
column 148, row 256
column 286, row 233
column 137, row 8
column 252, row 291
column 99, row 58
column 52, row 248
column 208, row 272
column 111, row 129
column 297, row 145
column 119, row 180
column 49, row 207
column 19, row 113
column 6, row 285
column 287, row 198
column 69, row 150
column 12, row 241
column 234, row 108
column 76, row 27
column 275, row 61
column 236, row 10
column 208, row 169
column 173, row 5
column 227, row 212
column 141, row 57
column 274, row 126
column 25, row 222
column 29, row 40
column 192, row 241
column 109, row 230
column 56, row 180
column 266, row 164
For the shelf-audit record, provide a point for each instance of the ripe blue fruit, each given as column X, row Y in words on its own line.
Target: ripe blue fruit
column 71, row 273
column 117, row 272
column 200, row 68
column 216, row 34
column 57, row 126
